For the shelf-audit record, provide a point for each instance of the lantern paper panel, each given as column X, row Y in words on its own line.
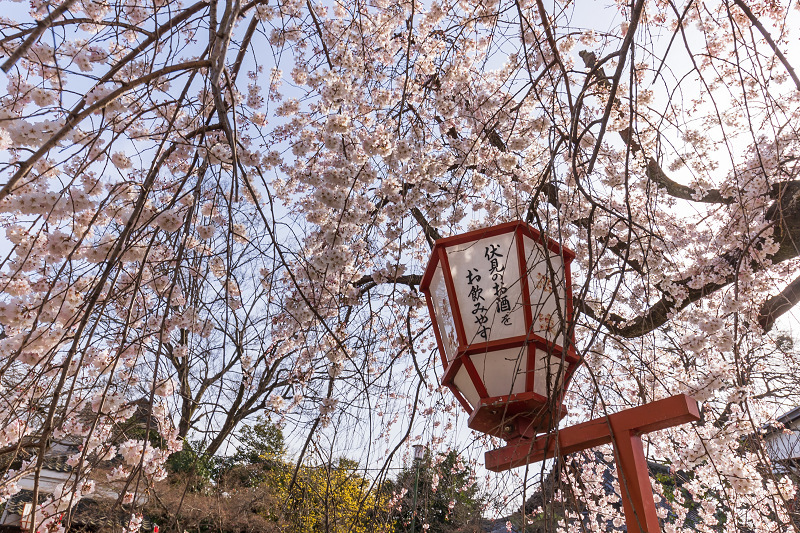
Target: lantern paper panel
column 443, row 314
column 502, row 372
column 486, row 279
column 547, row 285
column 510, row 372
column 548, row 372
column 463, row 381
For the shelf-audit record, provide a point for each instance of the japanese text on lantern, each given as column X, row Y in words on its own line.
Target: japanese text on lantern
column 496, row 282
column 479, row 310
column 499, row 288
column 546, row 321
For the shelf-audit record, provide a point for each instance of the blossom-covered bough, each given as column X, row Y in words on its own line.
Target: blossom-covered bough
column 223, row 209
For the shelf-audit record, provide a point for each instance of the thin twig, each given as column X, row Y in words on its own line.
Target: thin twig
column 41, row 26
column 768, row 38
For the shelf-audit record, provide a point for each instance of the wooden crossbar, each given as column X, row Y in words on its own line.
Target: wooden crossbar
column 623, row 430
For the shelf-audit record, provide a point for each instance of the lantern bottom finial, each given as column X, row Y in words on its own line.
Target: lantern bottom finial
column 518, row 415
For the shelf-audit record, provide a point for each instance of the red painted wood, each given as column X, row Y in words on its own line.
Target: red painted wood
column 569, row 323
column 478, row 234
column 634, row 483
column 653, row 416
column 493, row 231
column 475, row 377
column 526, row 307
column 623, row 429
column 513, row 342
column 519, row 397
column 550, row 244
column 530, row 370
column 523, row 272
column 493, row 346
column 451, row 370
column 512, row 416
column 519, row 228
column 460, row 397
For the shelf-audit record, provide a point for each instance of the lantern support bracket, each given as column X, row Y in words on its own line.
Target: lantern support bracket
column 623, row 430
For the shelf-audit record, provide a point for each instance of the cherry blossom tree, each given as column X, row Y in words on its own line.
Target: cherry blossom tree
column 218, row 210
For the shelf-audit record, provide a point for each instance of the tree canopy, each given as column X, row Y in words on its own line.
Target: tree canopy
column 447, row 498
column 254, row 490
column 215, row 210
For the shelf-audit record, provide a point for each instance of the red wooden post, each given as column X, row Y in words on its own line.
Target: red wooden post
column 624, row 430
column 634, row 483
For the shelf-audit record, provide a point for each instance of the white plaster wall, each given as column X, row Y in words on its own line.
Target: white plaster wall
column 783, row 445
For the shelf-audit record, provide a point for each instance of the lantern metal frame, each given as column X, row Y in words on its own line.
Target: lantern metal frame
column 524, row 413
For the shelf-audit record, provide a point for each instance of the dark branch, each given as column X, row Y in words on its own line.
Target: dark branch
column 412, row 280
column 654, row 172
column 779, row 304
column 786, row 234
column 41, row 26
column 431, row 233
column 321, row 36
column 661, row 312
column 675, row 189
column 768, row 38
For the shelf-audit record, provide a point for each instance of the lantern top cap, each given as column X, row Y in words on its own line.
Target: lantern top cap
column 492, row 231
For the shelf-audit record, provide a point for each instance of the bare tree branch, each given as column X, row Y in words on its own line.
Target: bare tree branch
column 767, row 37
column 675, row 189
column 41, row 26
column 779, row 304
column 431, row 233
column 26, row 166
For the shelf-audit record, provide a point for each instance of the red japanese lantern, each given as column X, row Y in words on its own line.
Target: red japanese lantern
column 500, row 300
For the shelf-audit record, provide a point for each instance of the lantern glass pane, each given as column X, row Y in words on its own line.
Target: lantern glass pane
column 467, row 387
column 548, row 368
column 502, row 371
column 486, row 278
column 444, row 314
column 546, row 283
